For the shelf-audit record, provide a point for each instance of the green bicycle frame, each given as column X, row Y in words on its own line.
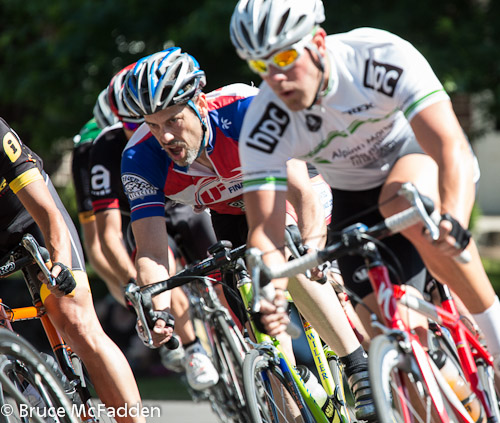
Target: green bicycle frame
column 246, row 292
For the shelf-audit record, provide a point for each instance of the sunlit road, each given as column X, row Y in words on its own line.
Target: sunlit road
column 180, row 412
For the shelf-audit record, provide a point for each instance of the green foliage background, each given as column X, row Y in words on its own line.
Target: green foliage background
column 55, row 57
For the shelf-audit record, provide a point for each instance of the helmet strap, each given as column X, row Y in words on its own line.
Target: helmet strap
column 320, row 64
column 203, row 127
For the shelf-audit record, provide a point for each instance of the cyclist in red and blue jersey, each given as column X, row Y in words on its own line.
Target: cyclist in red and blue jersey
column 192, row 232
column 188, row 151
column 29, row 204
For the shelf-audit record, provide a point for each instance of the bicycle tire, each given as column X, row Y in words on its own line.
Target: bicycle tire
column 24, row 372
column 388, row 364
column 228, row 360
column 262, row 405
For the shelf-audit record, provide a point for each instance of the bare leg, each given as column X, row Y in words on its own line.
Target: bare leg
column 77, row 322
column 320, row 306
column 180, row 309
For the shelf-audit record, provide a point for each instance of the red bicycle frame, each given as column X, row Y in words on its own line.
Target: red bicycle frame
column 388, row 295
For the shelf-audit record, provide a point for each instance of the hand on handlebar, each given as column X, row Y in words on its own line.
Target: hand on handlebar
column 161, row 332
column 272, row 317
column 453, row 238
column 64, row 280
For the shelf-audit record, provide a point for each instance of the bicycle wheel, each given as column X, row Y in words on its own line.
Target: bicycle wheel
column 271, row 398
column 228, row 352
column 30, row 391
column 401, row 394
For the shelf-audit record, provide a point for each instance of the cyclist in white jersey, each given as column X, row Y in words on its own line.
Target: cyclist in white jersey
column 367, row 110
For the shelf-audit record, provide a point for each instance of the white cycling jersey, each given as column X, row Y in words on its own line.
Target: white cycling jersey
column 378, row 82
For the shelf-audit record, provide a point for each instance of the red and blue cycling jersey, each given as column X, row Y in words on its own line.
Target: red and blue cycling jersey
column 149, row 174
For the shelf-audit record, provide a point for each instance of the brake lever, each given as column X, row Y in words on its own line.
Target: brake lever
column 431, row 221
column 411, row 193
column 31, row 245
column 133, row 294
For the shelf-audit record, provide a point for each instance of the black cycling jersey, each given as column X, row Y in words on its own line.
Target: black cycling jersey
column 19, row 166
column 106, row 190
column 81, row 170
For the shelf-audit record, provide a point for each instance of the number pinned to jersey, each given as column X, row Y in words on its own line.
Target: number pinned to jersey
column 11, row 146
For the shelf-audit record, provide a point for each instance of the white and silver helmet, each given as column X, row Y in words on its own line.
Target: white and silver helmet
column 260, row 27
column 162, row 80
column 102, row 111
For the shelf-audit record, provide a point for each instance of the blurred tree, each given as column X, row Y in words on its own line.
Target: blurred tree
column 55, row 57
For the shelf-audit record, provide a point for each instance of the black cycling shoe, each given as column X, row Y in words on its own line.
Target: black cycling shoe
column 361, row 389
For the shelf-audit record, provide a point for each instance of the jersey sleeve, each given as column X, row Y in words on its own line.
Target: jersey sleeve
column 18, row 164
column 396, row 69
column 262, row 147
column 143, row 173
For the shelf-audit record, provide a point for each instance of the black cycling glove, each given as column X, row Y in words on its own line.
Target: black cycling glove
column 65, row 281
column 155, row 315
column 461, row 235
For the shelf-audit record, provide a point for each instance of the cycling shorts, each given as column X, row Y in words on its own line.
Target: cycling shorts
column 362, row 206
column 24, row 223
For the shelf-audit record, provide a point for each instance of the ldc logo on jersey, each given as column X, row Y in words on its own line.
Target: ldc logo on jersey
column 381, row 77
column 264, row 136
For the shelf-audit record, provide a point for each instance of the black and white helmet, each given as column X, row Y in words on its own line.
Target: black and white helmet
column 102, row 112
column 162, row 80
column 261, row 27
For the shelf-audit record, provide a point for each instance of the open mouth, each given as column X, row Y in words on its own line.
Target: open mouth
column 175, row 151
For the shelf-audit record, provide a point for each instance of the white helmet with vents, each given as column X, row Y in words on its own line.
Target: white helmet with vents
column 102, row 111
column 261, row 27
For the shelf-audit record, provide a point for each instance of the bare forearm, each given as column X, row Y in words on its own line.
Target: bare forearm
column 455, row 184
column 151, row 269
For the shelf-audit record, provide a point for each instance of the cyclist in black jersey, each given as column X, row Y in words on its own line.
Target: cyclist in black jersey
column 81, row 180
column 30, row 204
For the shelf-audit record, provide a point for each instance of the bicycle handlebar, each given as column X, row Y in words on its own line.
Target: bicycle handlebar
column 421, row 211
column 141, row 297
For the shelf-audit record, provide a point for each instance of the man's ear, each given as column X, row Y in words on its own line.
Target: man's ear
column 320, row 39
column 202, row 104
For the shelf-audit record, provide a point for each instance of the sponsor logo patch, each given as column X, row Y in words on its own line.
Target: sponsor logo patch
column 381, row 77
column 136, row 186
column 7, row 268
column 100, row 180
column 11, row 146
column 313, row 122
column 359, row 109
column 265, row 135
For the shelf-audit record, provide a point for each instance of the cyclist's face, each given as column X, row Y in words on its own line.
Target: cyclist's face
column 297, row 86
column 179, row 132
